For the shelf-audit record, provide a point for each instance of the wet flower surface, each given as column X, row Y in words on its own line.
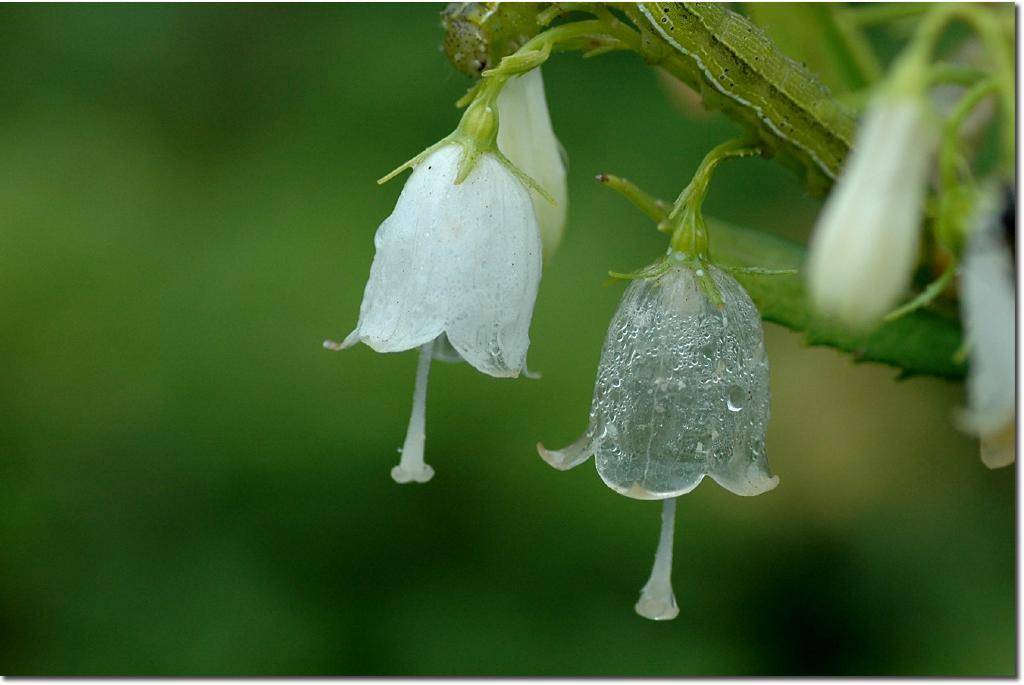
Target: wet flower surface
column 681, row 392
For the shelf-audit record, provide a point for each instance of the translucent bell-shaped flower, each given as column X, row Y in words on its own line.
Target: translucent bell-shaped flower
column 987, row 304
column 681, row 392
column 463, row 260
column 864, row 246
column 528, row 140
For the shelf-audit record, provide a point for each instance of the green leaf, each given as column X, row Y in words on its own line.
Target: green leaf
column 923, row 342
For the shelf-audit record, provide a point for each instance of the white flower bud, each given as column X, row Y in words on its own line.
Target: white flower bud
column 681, row 392
column 864, row 246
column 987, row 308
column 463, row 260
column 526, row 137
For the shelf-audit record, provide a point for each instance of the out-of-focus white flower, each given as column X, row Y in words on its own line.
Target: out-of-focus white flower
column 526, row 137
column 864, row 247
column 987, row 308
column 681, row 392
column 460, row 262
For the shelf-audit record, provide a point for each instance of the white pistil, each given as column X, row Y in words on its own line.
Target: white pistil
column 411, row 467
column 657, row 602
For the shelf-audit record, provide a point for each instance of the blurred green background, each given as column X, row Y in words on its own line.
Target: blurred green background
column 191, row 485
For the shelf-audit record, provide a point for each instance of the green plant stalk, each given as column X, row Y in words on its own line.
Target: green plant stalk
column 725, row 57
column 839, row 54
column 999, row 50
column 955, row 193
column 685, row 221
column 740, row 71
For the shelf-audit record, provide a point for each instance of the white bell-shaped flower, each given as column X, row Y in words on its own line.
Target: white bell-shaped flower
column 864, row 247
column 987, row 308
column 463, row 260
column 527, row 138
column 456, row 269
column 681, row 392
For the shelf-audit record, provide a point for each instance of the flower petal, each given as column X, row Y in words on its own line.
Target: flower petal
column 682, row 389
column 458, row 259
column 526, row 137
column 493, row 263
column 656, row 446
column 745, row 473
column 575, row 454
column 405, row 304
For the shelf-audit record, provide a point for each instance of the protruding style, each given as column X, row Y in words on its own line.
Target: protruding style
column 657, row 601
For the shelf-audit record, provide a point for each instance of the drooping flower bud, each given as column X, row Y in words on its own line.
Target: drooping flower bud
column 864, row 246
column 987, row 308
column 681, row 392
column 527, row 138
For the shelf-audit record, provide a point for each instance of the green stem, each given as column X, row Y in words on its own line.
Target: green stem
column 926, row 296
column 689, row 233
column 536, row 51
column 950, row 141
column 857, row 46
column 956, row 193
column 989, row 32
column 956, row 74
column 655, row 209
column 872, row 15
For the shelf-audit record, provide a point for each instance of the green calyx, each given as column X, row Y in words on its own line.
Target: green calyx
column 477, row 135
column 699, row 266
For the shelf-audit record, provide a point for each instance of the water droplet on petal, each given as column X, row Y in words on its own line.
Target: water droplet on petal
column 736, row 398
